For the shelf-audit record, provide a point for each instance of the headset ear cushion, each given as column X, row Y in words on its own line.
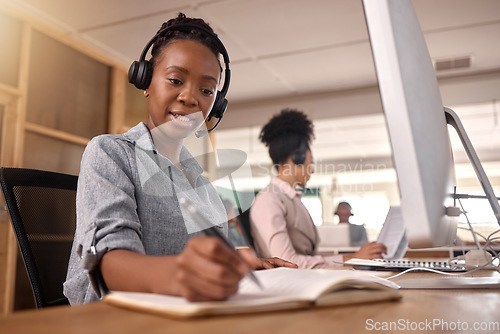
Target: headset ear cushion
column 299, row 158
column 132, row 72
column 220, row 106
column 140, row 74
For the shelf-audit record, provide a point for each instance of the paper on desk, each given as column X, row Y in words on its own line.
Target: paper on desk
column 393, row 234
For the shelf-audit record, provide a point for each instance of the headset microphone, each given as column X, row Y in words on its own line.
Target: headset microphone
column 202, row 133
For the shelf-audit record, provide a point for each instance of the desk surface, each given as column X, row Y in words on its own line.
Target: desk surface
column 458, row 308
column 442, row 252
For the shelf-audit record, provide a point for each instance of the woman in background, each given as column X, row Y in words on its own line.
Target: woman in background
column 281, row 224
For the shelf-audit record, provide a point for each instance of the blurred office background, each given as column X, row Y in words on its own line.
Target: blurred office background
column 63, row 80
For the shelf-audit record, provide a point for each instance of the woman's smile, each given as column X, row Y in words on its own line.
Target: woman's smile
column 183, row 120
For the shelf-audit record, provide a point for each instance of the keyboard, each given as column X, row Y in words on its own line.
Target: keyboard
column 403, row 264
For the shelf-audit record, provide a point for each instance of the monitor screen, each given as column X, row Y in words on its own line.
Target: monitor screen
column 415, row 120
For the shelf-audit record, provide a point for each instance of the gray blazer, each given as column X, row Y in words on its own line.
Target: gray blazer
column 127, row 198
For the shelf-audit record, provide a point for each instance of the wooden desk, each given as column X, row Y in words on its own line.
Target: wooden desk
column 457, row 307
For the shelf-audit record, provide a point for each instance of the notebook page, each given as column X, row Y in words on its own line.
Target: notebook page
column 302, row 283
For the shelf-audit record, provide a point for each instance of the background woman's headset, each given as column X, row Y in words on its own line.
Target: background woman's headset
column 141, row 72
column 299, row 156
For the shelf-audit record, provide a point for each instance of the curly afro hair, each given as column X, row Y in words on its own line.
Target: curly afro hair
column 172, row 35
column 285, row 132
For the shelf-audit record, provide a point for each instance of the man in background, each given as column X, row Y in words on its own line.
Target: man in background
column 357, row 233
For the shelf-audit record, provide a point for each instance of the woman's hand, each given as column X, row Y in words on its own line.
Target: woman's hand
column 274, row 262
column 260, row 263
column 208, row 269
column 370, row 250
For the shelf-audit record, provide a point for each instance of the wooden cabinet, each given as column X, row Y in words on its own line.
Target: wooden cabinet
column 55, row 95
column 8, row 245
column 66, row 104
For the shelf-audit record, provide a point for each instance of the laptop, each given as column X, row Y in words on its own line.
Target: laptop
column 334, row 235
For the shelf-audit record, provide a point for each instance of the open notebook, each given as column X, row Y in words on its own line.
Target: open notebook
column 284, row 288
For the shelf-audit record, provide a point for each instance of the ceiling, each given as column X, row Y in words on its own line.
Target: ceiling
column 279, row 48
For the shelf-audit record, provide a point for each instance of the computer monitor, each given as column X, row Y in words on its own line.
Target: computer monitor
column 416, row 122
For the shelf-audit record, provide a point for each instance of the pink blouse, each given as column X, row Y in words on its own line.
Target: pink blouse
column 282, row 227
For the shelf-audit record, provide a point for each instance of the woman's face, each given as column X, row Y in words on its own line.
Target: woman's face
column 183, row 88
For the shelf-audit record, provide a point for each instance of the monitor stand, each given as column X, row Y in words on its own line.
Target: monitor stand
column 462, row 282
column 453, row 120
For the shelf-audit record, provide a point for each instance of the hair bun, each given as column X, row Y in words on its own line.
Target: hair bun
column 288, row 123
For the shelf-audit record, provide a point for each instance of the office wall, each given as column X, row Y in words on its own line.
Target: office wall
column 459, row 90
column 246, row 119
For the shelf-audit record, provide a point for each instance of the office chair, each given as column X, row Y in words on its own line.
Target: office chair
column 42, row 210
column 244, row 220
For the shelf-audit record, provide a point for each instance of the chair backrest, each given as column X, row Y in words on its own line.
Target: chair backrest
column 244, row 220
column 42, row 210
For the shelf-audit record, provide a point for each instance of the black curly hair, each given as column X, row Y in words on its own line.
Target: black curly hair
column 285, row 132
column 195, row 35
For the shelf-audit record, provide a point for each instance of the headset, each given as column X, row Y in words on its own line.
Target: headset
column 299, row 156
column 141, row 72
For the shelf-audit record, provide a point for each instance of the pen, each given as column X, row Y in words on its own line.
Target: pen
column 212, row 231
